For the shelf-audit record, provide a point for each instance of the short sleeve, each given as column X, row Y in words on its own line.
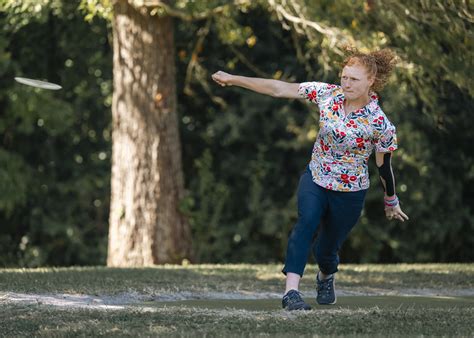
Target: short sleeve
column 315, row 91
column 385, row 134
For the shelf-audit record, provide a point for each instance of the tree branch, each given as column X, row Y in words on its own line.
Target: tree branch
column 307, row 27
column 300, row 20
column 202, row 33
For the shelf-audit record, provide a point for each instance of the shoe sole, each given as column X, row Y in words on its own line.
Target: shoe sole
column 335, row 300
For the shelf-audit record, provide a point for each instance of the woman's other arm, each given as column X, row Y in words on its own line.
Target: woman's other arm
column 392, row 206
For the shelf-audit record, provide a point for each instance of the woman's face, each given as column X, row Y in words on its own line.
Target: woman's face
column 355, row 81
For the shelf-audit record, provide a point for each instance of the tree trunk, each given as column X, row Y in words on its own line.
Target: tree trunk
column 145, row 227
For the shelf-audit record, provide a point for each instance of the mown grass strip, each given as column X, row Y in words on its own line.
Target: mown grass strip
column 229, row 278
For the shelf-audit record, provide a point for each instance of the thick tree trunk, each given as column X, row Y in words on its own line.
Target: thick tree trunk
column 146, row 227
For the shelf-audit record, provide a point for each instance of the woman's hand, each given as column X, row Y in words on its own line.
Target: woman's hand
column 222, row 78
column 395, row 213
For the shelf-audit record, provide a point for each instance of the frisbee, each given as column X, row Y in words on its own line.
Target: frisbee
column 38, row 83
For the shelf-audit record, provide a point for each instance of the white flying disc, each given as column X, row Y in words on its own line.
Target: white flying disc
column 38, row 83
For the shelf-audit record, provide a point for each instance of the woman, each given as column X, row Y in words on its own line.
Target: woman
column 332, row 189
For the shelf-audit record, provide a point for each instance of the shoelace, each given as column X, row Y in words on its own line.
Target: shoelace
column 325, row 285
column 294, row 297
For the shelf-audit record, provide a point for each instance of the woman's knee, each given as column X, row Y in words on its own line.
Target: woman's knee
column 325, row 252
column 309, row 218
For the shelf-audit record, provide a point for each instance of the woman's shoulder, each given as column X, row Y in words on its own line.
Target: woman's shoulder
column 319, row 85
column 316, row 91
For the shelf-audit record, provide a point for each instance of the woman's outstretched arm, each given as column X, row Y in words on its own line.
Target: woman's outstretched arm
column 270, row 87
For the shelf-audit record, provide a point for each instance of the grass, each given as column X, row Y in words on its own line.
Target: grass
column 348, row 302
column 176, row 320
column 386, row 315
column 230, row 278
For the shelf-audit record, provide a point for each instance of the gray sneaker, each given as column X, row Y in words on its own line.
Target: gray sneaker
column 326, row 292
column 292, row 301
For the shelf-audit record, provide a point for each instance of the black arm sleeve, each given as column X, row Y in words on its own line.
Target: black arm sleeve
column 386, row 173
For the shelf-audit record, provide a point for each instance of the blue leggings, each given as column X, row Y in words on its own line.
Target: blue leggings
column 333, row 213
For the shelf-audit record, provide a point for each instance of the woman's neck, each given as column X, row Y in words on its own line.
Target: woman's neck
column 357, row 103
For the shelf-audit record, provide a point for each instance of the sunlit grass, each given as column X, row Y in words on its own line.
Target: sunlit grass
column 230, row 278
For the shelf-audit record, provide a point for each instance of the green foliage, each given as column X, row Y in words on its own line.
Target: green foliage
column 205, row 211
column 243, row 153
column 96, row 8
column 55, row 145
column 14, row 177
column 19, row 13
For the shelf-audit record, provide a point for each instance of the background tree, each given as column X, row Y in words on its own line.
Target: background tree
column 145, row 225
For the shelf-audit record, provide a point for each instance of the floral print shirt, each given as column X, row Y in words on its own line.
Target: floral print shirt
column 340, row 156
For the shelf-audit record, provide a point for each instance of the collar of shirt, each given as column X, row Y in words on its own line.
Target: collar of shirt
column 369, row 107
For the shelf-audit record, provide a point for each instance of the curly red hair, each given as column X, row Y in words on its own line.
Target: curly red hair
column 378, row 63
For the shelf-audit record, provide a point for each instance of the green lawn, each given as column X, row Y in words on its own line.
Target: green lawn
column 446, row 307
column 230, row 278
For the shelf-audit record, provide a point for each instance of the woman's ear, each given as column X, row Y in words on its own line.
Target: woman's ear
column 371, row 81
